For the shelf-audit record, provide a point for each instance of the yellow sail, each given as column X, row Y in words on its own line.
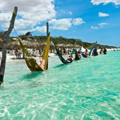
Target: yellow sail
column 30, row 61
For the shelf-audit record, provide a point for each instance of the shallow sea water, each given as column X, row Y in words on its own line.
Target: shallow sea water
column 88, row 89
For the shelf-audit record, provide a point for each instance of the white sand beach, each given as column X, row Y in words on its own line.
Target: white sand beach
column 13, row 57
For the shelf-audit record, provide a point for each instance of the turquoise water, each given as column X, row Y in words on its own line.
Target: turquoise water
column 88, row 89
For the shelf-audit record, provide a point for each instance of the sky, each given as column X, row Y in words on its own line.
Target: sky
column 88, row 20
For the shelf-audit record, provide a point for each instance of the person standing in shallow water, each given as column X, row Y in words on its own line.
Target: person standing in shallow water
column 64, row 51
column 105, row 51
column 16, row 51
column 101, row 51
column 40, row 51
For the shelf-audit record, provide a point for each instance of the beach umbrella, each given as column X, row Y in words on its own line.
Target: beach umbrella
column 27, row 44
column 69, row 46
column 61, row 45
column 42, row 45
column 13, row 45
column 35, row 44
column 78, row 46
column 52, row 45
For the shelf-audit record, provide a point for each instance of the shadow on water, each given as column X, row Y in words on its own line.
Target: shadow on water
column 33, row 79
column 28, row 80
column 64, row 65
column 61, row 65
column 31, row 75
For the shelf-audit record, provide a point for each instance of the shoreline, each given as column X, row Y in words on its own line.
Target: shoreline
column 13, row 57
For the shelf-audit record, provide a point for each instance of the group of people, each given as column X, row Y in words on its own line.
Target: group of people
column 95, row 52
column 103, row 51
column 70, row 58
column 16, row 52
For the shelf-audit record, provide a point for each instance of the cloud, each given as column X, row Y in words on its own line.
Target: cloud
column 41, row 29
column 78, row 21
column 39, row 10
column 92, row 27
column 97, row 2
column 102, row 14
column 61, row 24
column 65, row 23
column 24, row 24
column 4, row 20
column 29, row 12
column 102, row 24
column 70, row 13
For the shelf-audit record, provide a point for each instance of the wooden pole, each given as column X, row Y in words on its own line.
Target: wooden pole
column 47, row 38
column 7, row 33
column 47, row 29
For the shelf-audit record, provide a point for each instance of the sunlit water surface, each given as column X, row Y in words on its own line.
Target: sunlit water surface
column 88, row 89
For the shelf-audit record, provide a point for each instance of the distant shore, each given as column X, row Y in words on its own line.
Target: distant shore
column 13, row 57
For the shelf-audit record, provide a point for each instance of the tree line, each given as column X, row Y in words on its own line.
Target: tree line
column 57, row 40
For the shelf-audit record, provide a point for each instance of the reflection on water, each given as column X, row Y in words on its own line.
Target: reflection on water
column 88, row 89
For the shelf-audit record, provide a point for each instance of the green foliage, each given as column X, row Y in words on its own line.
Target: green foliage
column 23, row 37
column 40, row 39
column 89, row 47
column 60, row 40
column 54, row 40
column 1, row 34
column 14, row 13
column 11, row 39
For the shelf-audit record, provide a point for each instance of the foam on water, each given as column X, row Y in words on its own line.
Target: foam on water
column 88, row 89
